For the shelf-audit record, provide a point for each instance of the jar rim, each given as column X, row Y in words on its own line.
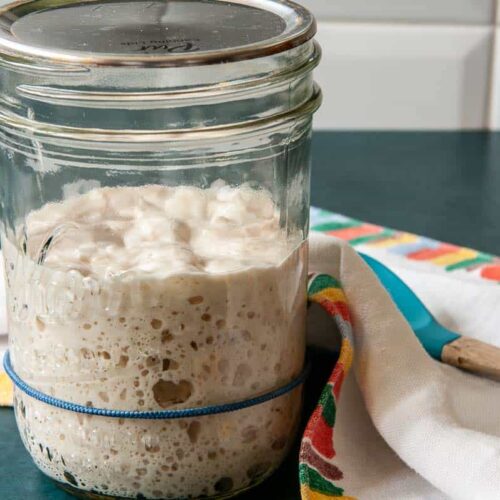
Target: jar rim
column 117, row 98
column 32, row 128
column 298, row 28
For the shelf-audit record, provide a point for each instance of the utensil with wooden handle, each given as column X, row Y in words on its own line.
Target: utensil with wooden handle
column 442, row 344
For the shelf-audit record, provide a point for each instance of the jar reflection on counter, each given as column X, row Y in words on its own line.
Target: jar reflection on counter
column 154, row 229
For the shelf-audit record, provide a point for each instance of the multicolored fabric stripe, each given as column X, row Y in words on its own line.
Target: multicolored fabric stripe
column 319, row 477
column 413, row 247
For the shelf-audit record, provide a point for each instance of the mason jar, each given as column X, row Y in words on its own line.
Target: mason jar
column 154, row 187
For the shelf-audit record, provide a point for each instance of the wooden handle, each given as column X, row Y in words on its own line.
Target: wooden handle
column 473, row 356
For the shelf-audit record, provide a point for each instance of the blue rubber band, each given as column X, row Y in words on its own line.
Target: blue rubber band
column 150, row 415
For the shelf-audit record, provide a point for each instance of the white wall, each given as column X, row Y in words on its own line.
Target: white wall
column 408, row 64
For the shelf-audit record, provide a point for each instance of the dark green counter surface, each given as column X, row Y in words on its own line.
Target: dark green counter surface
column 443, row 185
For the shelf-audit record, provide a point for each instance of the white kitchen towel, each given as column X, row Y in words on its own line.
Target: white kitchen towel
column 407, row 426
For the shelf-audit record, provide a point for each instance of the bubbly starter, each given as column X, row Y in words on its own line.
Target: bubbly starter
column 152, row 298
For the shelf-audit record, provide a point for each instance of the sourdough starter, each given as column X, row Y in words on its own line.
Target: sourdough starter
column 152, row 298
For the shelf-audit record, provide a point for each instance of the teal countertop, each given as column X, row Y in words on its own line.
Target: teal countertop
column 442, row 185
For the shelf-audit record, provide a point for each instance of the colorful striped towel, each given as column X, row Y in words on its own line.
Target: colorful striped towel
column 317, row 472
column 408, row 249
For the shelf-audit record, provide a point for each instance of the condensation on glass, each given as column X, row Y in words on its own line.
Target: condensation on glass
column 154, row 180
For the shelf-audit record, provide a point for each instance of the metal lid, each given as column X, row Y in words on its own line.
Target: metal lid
column 151, row 33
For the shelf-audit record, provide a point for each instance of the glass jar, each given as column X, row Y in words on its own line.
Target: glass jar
column 155, row 163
